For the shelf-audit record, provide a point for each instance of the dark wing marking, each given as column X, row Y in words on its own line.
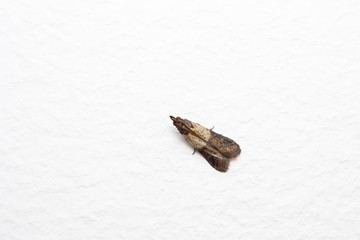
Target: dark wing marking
column 226, row 146
column 215, row 159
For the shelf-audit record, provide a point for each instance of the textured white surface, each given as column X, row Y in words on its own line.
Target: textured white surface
column 87, row 148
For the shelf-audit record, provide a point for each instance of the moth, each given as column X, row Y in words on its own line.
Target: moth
column 215, row 148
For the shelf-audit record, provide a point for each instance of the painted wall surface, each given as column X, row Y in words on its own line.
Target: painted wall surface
column 87, row 149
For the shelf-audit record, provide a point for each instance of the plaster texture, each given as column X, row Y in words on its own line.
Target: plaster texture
column 87, row 149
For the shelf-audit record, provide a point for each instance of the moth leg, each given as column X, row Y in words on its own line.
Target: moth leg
column 194, row 151
column 212, row 128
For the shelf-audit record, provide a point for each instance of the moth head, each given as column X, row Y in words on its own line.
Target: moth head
column 181, row 124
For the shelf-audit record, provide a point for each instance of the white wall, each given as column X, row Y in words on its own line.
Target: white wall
column 87, row 148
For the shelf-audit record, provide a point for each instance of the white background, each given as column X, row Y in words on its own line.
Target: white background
column 88, row 150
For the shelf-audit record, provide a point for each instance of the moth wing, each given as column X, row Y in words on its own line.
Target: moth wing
column 214, row 158
column 226, row 146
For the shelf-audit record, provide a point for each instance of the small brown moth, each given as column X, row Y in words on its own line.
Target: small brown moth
column 215, row 148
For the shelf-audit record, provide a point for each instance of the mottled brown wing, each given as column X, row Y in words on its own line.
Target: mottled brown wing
column 226, row 146
column 215, row 159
